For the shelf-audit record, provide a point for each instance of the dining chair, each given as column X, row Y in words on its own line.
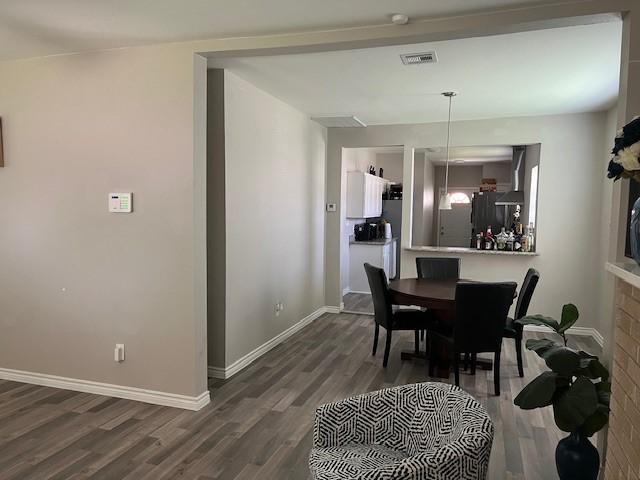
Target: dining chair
column 480, row 318
column 438, row 268
column 388, row 318
column 513, row 328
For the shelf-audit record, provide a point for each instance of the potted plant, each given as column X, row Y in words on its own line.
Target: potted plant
column 577, row 386
column 626, row 164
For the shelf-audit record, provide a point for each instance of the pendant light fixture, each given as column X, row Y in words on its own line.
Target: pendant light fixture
column 445, row 198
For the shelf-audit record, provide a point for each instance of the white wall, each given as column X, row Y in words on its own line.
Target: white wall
column 76, row 279
column 569, row 223
column 531, row 160
column 428, row 203
column 605, row 281
column 419, row 164
column 391, row 163
column 275, row 189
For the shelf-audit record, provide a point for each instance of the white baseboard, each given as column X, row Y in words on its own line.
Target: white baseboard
column 361, row 292
column 97, row 388
column 580, row 331
column 331, row 309
column 235, row 367
column 597, row 336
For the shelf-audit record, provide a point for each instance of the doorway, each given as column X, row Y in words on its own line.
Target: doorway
column 455, row 224
column 371, row 198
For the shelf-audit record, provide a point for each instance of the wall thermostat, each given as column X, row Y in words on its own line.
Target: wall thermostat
column 120, row 202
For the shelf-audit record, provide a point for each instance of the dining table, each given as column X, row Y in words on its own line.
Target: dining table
column 439, row 297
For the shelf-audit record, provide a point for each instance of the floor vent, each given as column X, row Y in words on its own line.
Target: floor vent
column 419, row 58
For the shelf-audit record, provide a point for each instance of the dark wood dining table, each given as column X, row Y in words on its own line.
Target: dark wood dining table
column 439, row 296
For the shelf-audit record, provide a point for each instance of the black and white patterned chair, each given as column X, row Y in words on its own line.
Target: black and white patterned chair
column 424, row 431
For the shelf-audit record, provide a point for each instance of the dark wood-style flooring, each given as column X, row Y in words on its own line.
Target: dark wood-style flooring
column 259, row 423
column 358, row 303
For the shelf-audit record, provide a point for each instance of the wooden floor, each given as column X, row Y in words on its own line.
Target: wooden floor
column 258, row 425
column 358, row 303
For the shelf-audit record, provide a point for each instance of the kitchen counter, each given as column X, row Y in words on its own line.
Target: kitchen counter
column 380, row 253
column 377, row 242
column 471, row 251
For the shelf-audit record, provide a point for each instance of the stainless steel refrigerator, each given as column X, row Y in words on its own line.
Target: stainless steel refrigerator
column 392, row 213
column 485, row 213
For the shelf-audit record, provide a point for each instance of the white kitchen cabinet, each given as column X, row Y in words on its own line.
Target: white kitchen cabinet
column 379, row 253
column 364, row 195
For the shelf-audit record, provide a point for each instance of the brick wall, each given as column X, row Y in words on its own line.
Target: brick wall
column 623, row 442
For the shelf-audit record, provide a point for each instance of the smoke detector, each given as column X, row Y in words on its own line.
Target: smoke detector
column 419, row 58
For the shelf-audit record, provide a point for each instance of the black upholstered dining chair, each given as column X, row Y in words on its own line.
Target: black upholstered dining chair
column 438, row 268
column 386, row 317
column 481, row 315
column 513, row 329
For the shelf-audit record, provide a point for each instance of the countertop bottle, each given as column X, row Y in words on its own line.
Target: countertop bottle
column 501, row 240
column 489, row 241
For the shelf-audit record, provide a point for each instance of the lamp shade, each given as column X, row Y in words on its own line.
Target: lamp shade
column 445, row 202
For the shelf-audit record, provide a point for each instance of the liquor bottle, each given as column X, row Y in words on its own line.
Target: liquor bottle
column 517, row 242
column 489, row 241
column 510, row 242
column 501, row 240
column 531, row 242
column 480, row 241
column 525, row 241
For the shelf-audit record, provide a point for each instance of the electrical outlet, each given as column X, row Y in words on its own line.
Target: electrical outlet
column 276, row 309
column 118, row 353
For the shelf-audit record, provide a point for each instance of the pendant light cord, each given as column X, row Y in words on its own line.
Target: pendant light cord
column 446, row 174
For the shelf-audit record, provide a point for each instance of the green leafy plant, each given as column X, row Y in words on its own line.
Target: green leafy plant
column 577, row 385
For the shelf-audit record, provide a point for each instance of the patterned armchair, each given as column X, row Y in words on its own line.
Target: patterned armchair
column 424, row 431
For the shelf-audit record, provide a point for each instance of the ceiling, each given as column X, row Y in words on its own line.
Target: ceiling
column 30, row 28
column 555, row 71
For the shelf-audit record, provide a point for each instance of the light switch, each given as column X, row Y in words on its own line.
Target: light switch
column 120, row 202
column 331, row 207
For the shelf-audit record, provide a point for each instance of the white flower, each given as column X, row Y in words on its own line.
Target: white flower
column 629, row 157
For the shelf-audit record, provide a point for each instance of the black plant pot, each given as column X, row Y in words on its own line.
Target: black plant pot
column 577, row 458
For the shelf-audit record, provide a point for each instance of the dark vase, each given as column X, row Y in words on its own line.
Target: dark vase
column 634, row 231
column 577, row 458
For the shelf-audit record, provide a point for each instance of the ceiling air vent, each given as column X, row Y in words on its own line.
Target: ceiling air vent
column 419, row 58
column 332, row 121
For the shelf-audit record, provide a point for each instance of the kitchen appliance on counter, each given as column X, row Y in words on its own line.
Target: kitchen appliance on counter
column 364, row 232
